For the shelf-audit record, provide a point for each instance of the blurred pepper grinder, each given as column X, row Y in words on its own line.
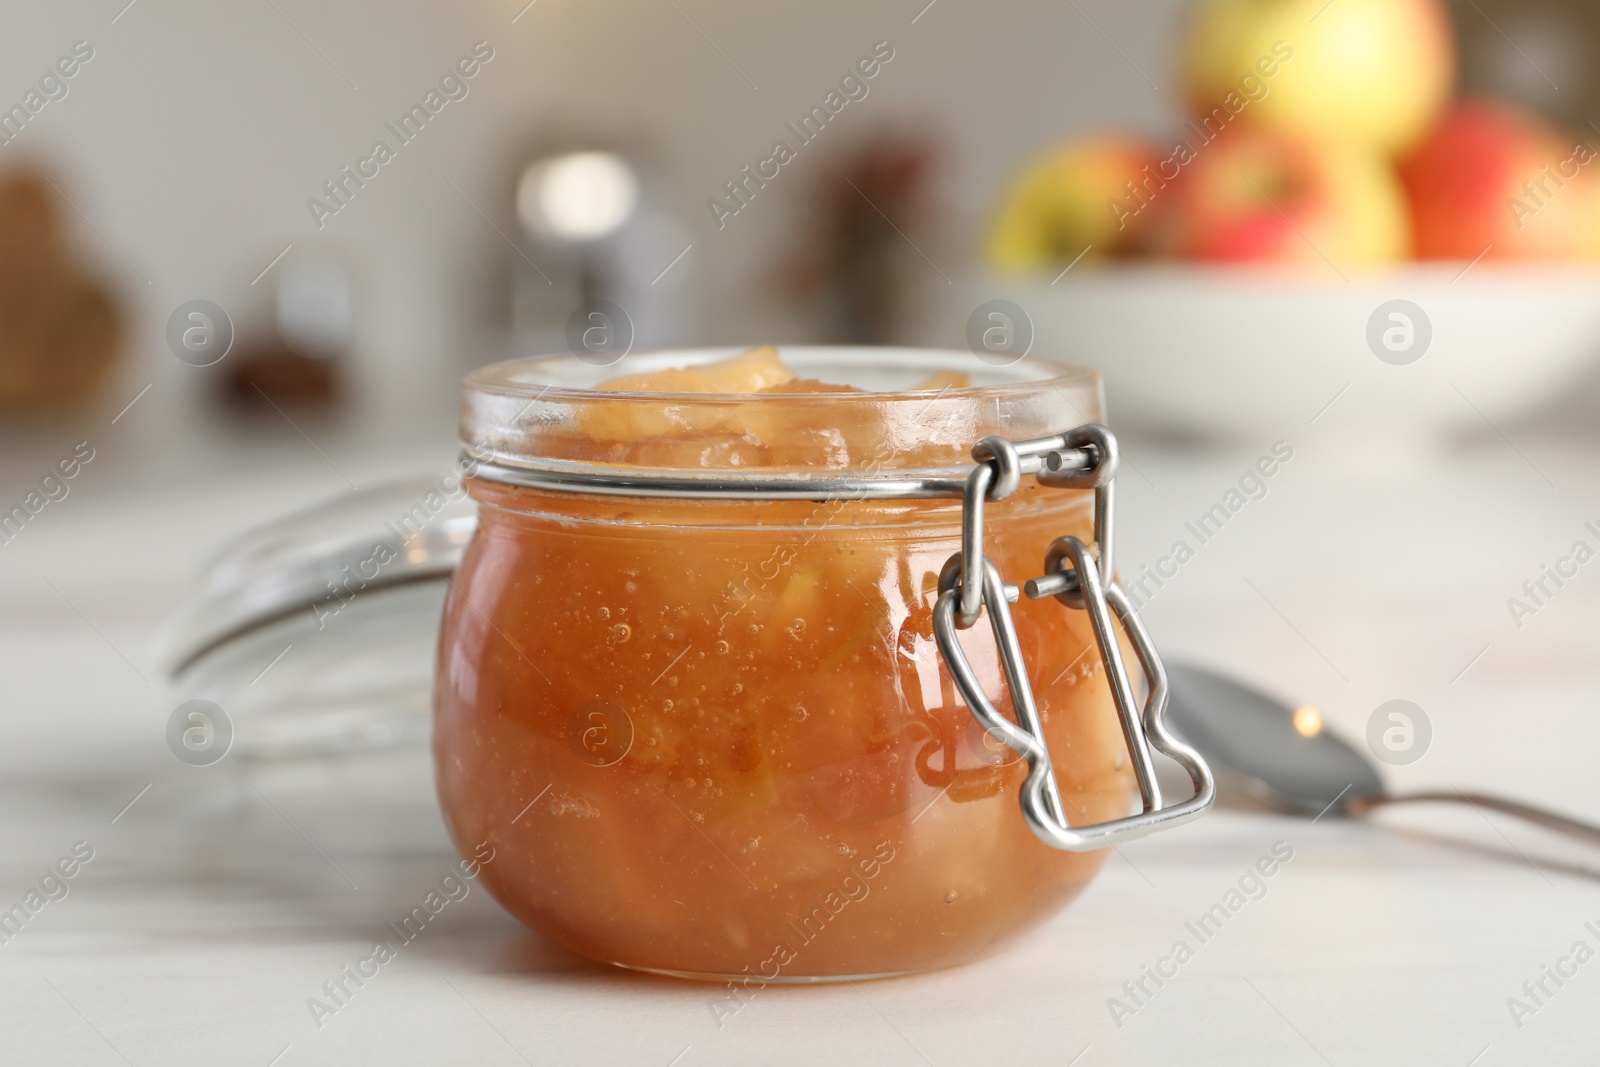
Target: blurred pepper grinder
column 601, row 246
column 59, row 328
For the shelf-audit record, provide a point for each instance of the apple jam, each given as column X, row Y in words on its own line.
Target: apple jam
column 715, row 737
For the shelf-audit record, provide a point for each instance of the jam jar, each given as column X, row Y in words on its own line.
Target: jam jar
column 742, row 684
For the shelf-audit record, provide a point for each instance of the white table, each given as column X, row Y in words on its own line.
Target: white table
column 206, row 919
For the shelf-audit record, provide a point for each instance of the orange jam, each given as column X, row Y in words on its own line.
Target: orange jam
column 715, row 737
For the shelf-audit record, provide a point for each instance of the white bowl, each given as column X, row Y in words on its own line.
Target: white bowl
column 1241, row 352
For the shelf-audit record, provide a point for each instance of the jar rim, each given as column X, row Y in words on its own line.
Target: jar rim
column 1025, row 374
column 544, row 415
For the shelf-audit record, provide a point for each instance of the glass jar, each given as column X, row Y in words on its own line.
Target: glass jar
column 715, row 737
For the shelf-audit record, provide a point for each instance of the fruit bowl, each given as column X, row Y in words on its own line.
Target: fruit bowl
column 1415, row 351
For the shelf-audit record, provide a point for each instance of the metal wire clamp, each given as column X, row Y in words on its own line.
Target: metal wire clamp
column 1081, row 577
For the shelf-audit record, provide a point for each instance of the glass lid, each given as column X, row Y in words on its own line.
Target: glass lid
column 315, row 632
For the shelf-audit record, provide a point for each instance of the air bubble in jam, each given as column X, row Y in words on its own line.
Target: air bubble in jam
column 722, row 648
column 844, row 850
column 565, row 804
column 950, row 897
column 618, row 633
column 800, row 714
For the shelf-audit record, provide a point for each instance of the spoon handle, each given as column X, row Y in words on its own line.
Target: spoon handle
column 1548, row 819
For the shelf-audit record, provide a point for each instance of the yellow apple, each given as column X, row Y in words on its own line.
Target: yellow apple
column 1373, row 73
column 1073, row 199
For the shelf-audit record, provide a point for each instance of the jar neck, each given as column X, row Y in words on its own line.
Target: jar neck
column 518, row 505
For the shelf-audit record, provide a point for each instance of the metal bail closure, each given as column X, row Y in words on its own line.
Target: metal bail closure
column 1081, row 577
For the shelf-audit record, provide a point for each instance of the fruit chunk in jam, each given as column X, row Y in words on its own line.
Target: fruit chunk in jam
column 653, row 429
column 716, row 737
column 751, row 371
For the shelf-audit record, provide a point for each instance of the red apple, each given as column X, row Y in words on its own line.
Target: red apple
column 1491, row 176
column 1252, row 195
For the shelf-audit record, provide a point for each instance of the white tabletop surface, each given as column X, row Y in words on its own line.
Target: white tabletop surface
column 208, row 917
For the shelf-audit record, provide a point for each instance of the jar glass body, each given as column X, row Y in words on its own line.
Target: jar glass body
column 716, row 738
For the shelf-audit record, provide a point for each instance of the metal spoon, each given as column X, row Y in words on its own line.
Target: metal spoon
column 1253, row 742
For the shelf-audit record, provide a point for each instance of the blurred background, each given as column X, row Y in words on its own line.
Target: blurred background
column 197, row 156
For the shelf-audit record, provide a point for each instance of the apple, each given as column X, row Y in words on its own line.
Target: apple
column 1254, row 195
column 1068, row 201
column 1494, row 177
column 1371, row 73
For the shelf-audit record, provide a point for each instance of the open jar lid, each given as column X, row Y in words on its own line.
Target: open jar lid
column 315, row 632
